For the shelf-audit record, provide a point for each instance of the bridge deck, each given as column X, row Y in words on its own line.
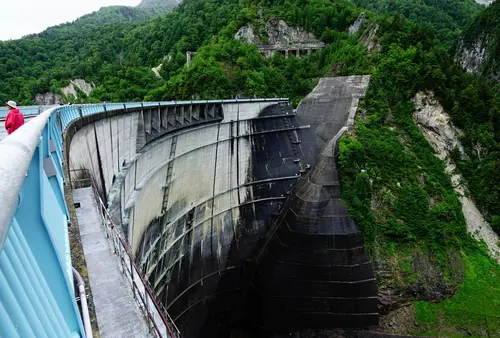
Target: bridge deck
column 117, row 315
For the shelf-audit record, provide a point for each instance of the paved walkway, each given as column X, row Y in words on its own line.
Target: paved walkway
column 118, row 314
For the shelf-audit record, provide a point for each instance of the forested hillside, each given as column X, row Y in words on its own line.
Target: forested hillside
column 394, row 185
column 478, row 49
column 164, row 5
column 446, row 17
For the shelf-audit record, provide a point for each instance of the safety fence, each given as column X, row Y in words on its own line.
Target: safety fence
column 26, row 110
column 159, row 322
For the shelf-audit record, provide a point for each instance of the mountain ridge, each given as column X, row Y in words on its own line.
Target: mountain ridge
column 159, row 4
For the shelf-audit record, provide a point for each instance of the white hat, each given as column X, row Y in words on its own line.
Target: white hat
column 11, row 103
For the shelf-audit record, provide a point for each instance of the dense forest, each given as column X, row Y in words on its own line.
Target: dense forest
column 417, row 224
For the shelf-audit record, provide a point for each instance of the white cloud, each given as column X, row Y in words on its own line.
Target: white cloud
column 22, row 17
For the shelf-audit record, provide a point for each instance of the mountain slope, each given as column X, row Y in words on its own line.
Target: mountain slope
column 478, row 49
column 159, row 4
column 446, row 17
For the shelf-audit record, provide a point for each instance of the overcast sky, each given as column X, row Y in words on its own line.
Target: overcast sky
column 22, row 17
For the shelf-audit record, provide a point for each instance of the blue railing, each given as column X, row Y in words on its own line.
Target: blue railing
column 27, row 111
column 37, row 296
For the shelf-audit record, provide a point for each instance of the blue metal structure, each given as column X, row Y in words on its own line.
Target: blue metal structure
column 36, row 285
column 37, row 293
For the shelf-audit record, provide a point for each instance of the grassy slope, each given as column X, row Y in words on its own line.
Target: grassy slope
column 475, row 308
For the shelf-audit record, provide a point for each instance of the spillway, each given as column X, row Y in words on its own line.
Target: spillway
column 199, row 190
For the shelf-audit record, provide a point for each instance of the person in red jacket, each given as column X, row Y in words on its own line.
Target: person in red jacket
column 14, row 119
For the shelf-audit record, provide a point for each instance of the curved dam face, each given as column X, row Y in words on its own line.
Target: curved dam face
column 197, row 189
column 194, row 201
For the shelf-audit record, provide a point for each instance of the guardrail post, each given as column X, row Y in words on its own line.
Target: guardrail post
column 146, row 298
column 132, row 274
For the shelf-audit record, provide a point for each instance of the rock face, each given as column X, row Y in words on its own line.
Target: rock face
column 354, row 28
column 48, row 99
column 71, row 89
column 477, row 50
column 246, row 34
column 370, row 38
column 443, row 136
column 278, row 33
column 485, row 2
column 436, row 126
column 396, row 289
column 472, row 57
column 156, row 70
column 281, row 34
column 68, row 92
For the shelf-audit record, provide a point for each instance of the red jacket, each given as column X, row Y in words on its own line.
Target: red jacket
column 14, row 120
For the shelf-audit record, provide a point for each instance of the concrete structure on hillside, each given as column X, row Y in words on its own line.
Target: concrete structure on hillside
column 189, row 58
column 196, row 186
column 195, row 202
column 313, row 270
column 297, row 49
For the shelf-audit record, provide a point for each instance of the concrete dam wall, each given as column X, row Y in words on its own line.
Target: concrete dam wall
column 197, row 188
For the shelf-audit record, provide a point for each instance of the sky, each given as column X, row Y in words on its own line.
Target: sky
column 22, row 17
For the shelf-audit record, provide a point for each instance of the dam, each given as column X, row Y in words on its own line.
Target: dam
column 232, row 208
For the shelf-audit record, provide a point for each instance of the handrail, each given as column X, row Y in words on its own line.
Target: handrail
column 118, row 244
column 83, row 302
column 16, row 152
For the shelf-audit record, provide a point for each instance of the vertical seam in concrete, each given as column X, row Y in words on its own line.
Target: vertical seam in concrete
column 118, row 142
column 111, row 138
column 238, row 153
column 99, row 163
column 213, row 193
column 90, row 154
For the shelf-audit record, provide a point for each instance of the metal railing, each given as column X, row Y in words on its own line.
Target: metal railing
column 26, row 110
column 37, row 295
column 159, row 322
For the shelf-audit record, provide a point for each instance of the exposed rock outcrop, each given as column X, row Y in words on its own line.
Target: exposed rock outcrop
column 423, row 279
column 280, row 33
column 485, row 2
column 71, row 91
column 436, row 126
column 277, row 32
column 370, row 38
column 472, row 57
column 246, row 34
column 80, row 84
column 48, row 99
column 354, row 28
column 156, row 70
column 443, row 136
column 477, row 50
